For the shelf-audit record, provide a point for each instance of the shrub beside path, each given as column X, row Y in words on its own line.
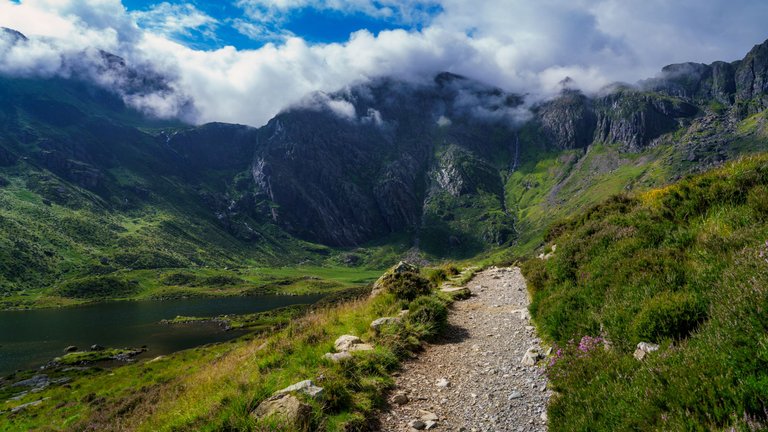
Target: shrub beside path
column 472, row 378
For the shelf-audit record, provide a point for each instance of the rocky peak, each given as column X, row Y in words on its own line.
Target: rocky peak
column 569, row 120
column 752, row 80
column 347, row 167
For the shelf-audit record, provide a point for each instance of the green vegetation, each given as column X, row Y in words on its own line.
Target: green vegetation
column 217, row 386
column 93, row 356
column 685, row 267
column 256, row 322
column 404, row 284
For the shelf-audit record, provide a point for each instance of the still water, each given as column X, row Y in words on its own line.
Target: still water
column 29, row 339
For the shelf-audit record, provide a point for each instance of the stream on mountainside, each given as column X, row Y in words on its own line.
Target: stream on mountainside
column 32, row 338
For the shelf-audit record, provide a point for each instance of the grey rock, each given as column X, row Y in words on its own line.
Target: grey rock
column 377, row 324
column 643, row 349
column 306, row 387
column 70, row 349
column 443, row 383
column 428, row 416
column 531, row 357
column 343, row 343
column 286, row 407
column 36, row 381
column 568, row 120
column 338, row 357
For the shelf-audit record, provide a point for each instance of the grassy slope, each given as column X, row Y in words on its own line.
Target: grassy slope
column 548, row 185
column 683, row 266
column 215, row 387
column 62, row 244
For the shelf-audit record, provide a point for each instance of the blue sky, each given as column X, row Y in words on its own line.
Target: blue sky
column 233, row 23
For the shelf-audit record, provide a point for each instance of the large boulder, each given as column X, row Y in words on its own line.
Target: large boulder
column 290, row 411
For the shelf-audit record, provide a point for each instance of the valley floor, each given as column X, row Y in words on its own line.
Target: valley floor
column 488, row 389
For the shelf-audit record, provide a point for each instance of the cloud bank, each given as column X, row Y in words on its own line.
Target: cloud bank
column 518, row 45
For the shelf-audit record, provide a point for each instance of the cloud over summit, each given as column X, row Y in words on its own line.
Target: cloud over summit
column 518, row 45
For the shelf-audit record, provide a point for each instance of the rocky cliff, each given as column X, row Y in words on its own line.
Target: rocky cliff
column 352, row 166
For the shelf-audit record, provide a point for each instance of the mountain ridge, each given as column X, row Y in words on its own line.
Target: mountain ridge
column 446, row 169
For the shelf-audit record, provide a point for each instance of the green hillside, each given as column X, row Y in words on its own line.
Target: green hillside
column 96, row 203
column 685, row 267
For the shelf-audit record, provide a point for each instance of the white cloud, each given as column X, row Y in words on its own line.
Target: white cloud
column 518, row 45
column 172, row 20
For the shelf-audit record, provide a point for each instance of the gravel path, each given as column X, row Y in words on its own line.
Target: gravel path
column 489, row 389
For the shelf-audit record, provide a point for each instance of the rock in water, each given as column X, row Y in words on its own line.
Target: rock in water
column 287, row 408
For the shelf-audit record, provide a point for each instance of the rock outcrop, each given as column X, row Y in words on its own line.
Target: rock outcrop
column 286, row 409
column 569, row 120
column 752, row 80
column 352, row 166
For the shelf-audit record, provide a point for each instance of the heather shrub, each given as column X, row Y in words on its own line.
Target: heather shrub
column 668, row 315
column 406, row 285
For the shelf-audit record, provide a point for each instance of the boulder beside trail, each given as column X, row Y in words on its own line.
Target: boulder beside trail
column 306, row 387
column 377, row 324
column 345, row 342
column 286, row 408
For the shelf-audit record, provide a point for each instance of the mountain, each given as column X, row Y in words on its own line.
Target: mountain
column 448, row 167
column 455, row 164
column 426, row 159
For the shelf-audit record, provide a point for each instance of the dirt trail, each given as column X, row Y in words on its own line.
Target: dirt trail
column 488, row 388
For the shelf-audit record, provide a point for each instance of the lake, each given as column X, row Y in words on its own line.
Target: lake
column 30, row 339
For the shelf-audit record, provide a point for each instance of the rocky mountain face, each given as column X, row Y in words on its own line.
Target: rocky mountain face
column 449, row 164
column 350, row 167
column 408, row 157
